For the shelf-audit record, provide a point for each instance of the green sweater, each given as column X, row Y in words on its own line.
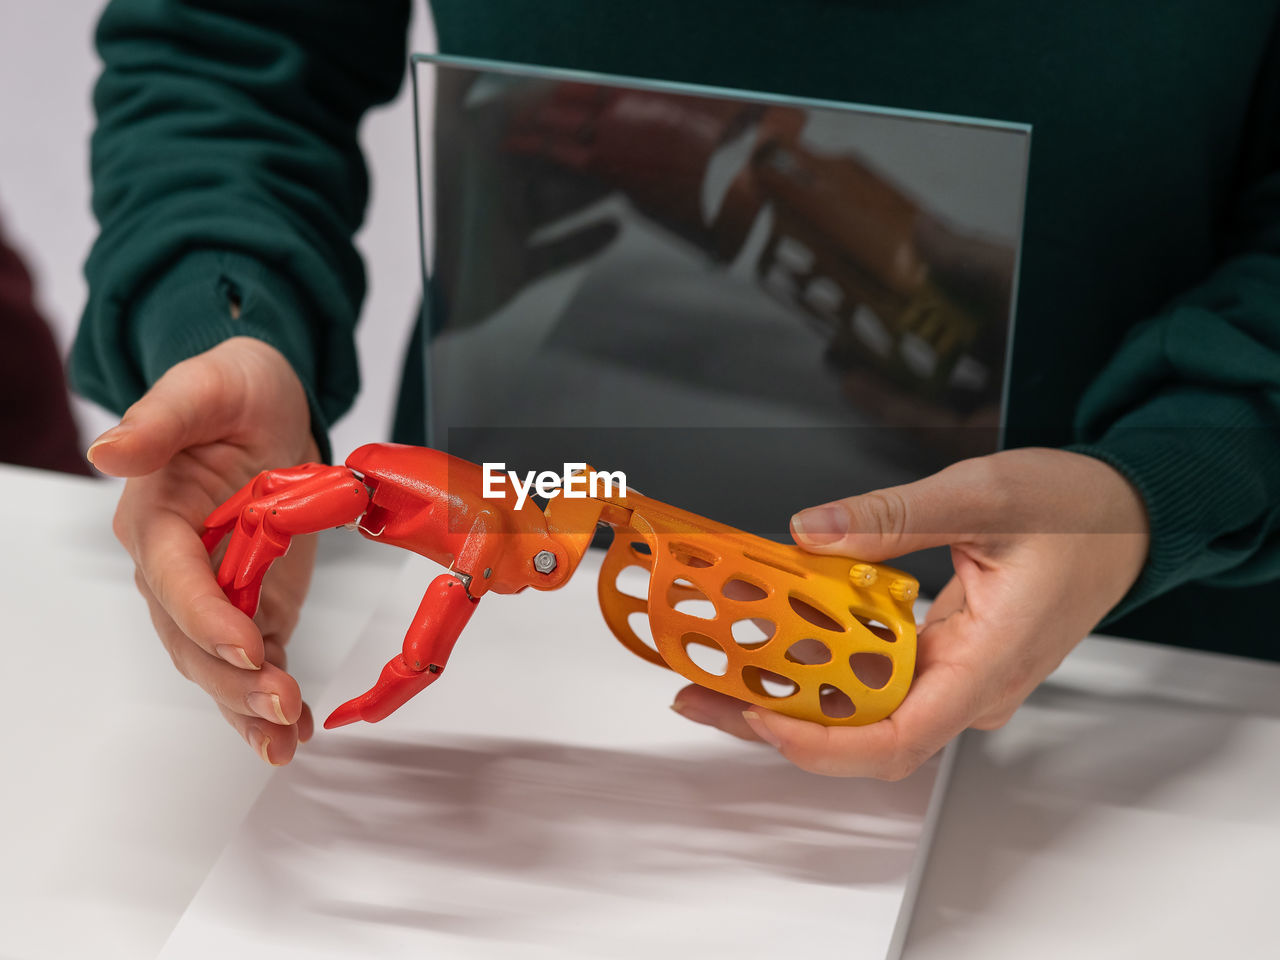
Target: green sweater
column 225, row 165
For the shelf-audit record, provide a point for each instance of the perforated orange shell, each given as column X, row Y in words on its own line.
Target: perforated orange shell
column 821, row 638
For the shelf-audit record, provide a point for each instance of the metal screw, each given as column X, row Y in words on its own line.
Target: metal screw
column 544, row 561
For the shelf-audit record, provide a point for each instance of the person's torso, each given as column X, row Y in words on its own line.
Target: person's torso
column 1141, row 113
column 1148, row 119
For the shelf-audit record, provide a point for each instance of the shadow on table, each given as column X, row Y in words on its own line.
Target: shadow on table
column 567, row 818
column 1018, row 791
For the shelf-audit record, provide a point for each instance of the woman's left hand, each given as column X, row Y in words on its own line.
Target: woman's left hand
column 1044, row 544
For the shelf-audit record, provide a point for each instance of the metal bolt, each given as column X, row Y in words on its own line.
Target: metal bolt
column 544, row 561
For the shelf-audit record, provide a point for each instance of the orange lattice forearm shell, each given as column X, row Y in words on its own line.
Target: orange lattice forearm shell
column 821, row 638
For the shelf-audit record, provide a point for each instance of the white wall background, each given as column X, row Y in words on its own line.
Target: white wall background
column 47, row 70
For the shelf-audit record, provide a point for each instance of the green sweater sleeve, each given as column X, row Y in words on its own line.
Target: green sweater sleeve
column 1189, row 411
column 226, row 170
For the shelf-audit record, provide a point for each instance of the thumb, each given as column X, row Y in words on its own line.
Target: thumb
column 952, row 506
column 183, row 408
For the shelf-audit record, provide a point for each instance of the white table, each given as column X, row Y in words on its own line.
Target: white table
column 1131, row 809
column 121, row 782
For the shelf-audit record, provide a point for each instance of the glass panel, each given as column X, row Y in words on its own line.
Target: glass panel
column 749, row 304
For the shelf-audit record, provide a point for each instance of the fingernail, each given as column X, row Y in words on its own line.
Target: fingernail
column 756, row 723
column 820, row 525
column 267, row 706
column 236, row 657
column 260, row 741
column 110, row 436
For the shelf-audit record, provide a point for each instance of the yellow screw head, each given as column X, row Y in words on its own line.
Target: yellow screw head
column 903, row 590
column 862, row 574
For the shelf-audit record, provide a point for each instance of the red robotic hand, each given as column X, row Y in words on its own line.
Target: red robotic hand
column 410, row 497
column 839, row 647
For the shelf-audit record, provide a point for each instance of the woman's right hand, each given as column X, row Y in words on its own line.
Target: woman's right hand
column 207, row 427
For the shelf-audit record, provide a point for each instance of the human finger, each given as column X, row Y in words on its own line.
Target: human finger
column 959, row 503
column 273, row 743
column 186, row 406
column 944, row 700
column 269, row 693
column 175, row 567
column 306, row 725
column 949, row 599
column 275, row 654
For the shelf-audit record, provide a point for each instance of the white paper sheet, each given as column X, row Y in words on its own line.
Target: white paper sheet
column 540, row 800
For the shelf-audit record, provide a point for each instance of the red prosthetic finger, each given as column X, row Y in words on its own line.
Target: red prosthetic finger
column 219, row 523
column 268, row 512
column 445, row 609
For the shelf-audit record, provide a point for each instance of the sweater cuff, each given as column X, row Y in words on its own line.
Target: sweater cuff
column 1199, row 476
column 188, row 311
